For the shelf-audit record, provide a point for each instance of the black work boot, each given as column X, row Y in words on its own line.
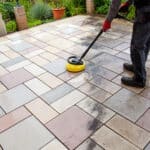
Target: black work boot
column 132, row 81
column 128, row 67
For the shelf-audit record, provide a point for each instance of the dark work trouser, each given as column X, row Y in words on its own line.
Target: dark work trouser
column 140, row 46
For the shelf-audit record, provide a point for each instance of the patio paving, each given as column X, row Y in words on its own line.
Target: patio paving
column 44, row 107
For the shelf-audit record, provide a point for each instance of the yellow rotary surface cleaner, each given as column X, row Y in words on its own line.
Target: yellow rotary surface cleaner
column 75, row 64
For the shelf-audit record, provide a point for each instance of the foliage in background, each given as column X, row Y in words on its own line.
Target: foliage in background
column 11, row 26
column 41, row 11
column 38, row 13
column 7, row 10
column 27, row 4
column 34, row 22
column 131, row 14
column 73, row 7
column 102, row 6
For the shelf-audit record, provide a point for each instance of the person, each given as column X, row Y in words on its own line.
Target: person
column 140, row 42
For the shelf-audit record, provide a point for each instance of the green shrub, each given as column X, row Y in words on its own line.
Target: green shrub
column 11, row 26
column 26, row 3
column 131, row 14
column 74, row 7
column 7, row 10
column 102, row 6
column 41, row 11
column 33, row 23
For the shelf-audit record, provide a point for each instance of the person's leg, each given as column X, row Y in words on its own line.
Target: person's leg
column 147, row 48
column 140, row 37
column 130, row 67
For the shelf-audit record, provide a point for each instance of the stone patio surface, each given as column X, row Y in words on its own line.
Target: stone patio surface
column 44, row 107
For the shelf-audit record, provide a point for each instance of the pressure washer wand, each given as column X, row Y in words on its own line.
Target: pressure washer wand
column 86, row 51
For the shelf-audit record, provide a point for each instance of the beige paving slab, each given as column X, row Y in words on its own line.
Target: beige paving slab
column 54, row 145
column 2, row 88
column 4, row 48
column 67, row 101
column 50, row 80
column 49, row 56
column 3, row 71
column 109, row 140
column 52, row 49
column 34, row 69
column 68, row 75
column 130, row 131
column 11, row 54
column 19, row 65
column 13, row 118
column 96, row 109
column 39, row 60
column 37, row 86
column 61, row 43
column 79, row 80
column 41, row 110
column 34, row 53
column 3, row 58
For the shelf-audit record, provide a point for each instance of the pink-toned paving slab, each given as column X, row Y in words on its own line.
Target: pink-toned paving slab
column 13, row 117
column 15, row 78
column 144, row 121
column 73, row 127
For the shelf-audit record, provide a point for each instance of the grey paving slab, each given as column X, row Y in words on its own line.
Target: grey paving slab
column 89, row 145
column 124, row 56
column 13, row 61
column 20, row 45
column 147, row 147
column 97, row 69
column 128, row 104
column 105, row 84
column 57, row 93
column 94, row 92
column 15, row 97
column 110, row 62
column 56, row 67
column 15, row 78
column 1, row 112
column 122, row 46
column 104, row 49
column 110, row 43
column 27, row 135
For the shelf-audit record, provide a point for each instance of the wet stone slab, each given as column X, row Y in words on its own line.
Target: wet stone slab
column 97, row 69
column 95, row 109
column 110, row 62
column 89, row 145
column 128, row 104
column 144, row 121
column 78, row 127
column 94, row 92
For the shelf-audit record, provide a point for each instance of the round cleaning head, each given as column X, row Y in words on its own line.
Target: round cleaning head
column 75, row 64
